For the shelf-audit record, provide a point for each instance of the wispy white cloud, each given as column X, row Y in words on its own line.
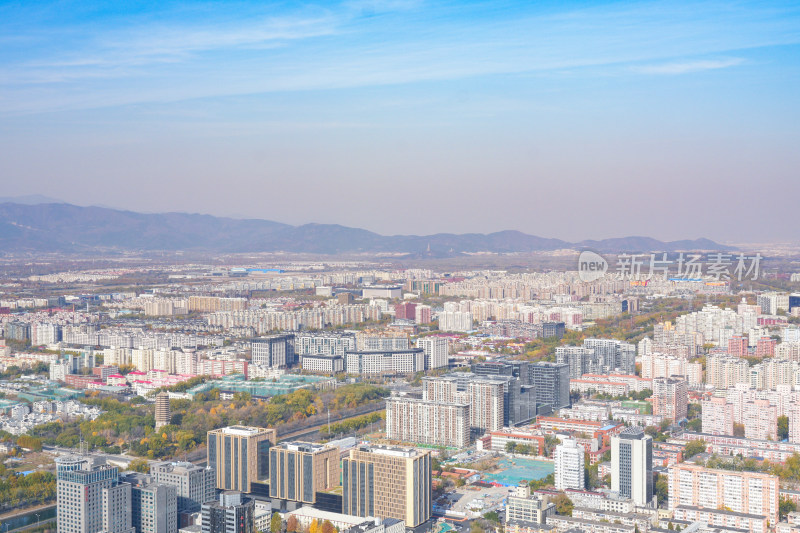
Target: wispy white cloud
column 171, row 43
column 687, row 67
column 370, row 43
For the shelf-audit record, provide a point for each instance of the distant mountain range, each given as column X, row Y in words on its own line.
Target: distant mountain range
column 60, row 227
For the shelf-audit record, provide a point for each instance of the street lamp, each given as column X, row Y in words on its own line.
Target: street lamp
column 37, row 520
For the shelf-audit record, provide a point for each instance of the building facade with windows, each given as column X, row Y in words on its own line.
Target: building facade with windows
column 240, row 455
column 387, row 482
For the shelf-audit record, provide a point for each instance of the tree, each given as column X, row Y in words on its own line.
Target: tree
column 738, row 430
column 292, row 524
column 139, row 465
column 275, row 523
column 327, row 527
column 30, row 443
column 314, row 527
column 662, row 490
column 783, row 427
column 693, row 447
column 563, row 505
column 511, row 446
column 785, row 507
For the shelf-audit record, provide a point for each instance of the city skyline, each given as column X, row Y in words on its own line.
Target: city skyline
column 584, row 121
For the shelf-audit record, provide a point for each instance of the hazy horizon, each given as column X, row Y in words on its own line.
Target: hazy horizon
column 581, row 121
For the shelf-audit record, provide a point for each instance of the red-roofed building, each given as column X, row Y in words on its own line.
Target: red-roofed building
column 117, row 380
column 79, row 381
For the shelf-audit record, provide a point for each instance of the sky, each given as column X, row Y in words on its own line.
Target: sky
column 574, row 120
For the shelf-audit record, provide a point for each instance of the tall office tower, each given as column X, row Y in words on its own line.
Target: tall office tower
column 240, row 455
column 695, row 486
column 232, row 513
column 569, row 465
column 671, row 398
column 413, row 419
column 436, row 351
column 117, row 516
column 275, row 351
column 162, row 409
column 632, row 465
column 298, row 470
column 551, row 384
column 194, row 484
column 90, row 498
column 387, row 482
column 154, row 507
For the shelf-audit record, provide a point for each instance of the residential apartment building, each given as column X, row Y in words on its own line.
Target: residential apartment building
column 658, row 365
column 717, row 416
column 436, row 349
column 414, row 419
column 569, row 465
column 724, row 372
column 670, row 398
column 760, row 420
column 162, row 414
column 753, row 493
column 598, row 356
column 485, row 397
column 723, row 519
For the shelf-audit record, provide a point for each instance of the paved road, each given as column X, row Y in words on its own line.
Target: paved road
column 105, row 456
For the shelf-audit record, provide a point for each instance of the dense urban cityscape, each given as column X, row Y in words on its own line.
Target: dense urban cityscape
column 399, row 266
column 361, row 396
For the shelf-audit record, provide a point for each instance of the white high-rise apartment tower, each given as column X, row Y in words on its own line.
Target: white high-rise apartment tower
column 569, row 465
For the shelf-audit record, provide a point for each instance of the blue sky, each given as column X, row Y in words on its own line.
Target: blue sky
column 572, row 120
